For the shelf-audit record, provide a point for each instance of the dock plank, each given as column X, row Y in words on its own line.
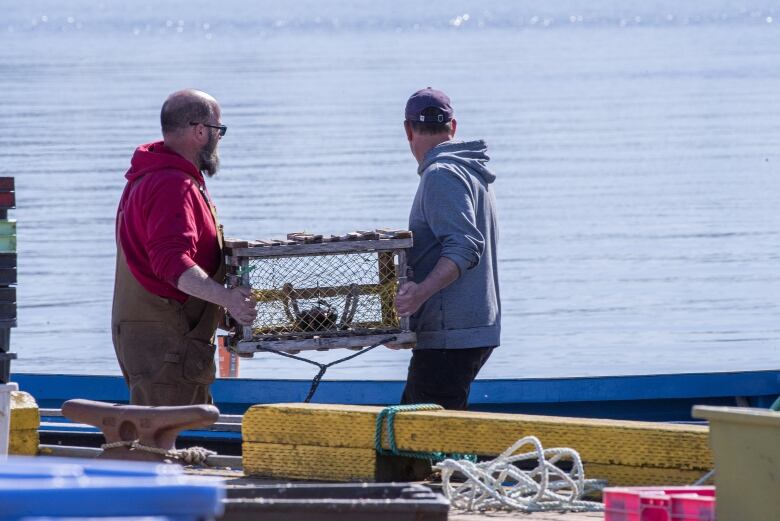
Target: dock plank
column 456, row 515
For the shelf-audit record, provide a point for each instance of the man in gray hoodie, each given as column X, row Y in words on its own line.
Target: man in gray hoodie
column 452, row 297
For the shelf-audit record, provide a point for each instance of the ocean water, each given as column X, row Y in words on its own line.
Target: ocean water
column 636, row 144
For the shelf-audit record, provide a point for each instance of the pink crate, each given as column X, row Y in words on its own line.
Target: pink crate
column 693, row 507
column 659, row 504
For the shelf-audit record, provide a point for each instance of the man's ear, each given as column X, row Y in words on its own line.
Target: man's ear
column 199, row 134
column 408, row 129
column 454, row 128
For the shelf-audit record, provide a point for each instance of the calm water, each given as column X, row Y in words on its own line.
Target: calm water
column 637, row 148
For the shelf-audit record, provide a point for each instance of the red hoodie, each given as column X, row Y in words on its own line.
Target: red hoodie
column 163, row 222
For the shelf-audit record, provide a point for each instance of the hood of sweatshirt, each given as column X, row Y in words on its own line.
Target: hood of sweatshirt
column 471, row 154
column 156, row 156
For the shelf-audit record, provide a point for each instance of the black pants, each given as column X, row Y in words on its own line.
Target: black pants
column 443, row 376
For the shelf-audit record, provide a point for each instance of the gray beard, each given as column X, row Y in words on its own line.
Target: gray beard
column 208, row 159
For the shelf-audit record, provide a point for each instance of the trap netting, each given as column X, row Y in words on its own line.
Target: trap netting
column 332, row 294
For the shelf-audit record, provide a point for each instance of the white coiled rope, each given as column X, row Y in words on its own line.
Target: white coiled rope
column 499, row 484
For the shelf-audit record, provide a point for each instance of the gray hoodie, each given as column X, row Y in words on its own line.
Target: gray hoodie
column 453, row 215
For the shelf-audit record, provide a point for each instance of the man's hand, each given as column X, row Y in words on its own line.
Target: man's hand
column 409, row 299
column 236, row 301
column 241, row 306
column 412, row 295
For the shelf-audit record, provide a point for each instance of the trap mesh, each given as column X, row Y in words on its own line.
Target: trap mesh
column 330, row 294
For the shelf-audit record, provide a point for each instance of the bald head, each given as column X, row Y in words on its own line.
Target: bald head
column 190, row 119
column 184, row 107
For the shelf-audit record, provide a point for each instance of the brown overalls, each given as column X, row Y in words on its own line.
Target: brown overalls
column 165, row 348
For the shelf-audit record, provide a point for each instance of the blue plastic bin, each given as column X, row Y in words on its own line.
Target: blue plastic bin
column 79, row 488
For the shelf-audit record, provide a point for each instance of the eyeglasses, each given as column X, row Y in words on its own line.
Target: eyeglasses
column 222, row 128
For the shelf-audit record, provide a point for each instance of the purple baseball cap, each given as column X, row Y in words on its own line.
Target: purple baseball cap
column 425, row 99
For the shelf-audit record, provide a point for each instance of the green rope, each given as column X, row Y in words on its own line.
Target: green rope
column 241, row 270
column 775, row 406
column 385, row 426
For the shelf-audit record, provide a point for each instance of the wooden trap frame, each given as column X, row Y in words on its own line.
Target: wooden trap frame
column 321, row 292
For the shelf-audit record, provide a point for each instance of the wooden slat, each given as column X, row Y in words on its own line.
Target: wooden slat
column 5, row 342
column 235, row 243
column 7, row 243
column 367, row 235
column 23, row 442
column 7, row 276
column 347, row 246
column 7, row 227
column 245, row 331
column 641, row 476
column 312, row 344
column 7, row 310
column 462, row 515
column 302, row 237
column 386, row 268
column 5, row 370
column 8, row 260
column 24, row 411
column 306, row 462
column 404, row 322
column 261, row 243
column 300, row 461
column 7, row 199
column 394, row 234
column 7, row 295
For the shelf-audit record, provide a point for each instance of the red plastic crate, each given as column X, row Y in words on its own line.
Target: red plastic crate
column 659, row 504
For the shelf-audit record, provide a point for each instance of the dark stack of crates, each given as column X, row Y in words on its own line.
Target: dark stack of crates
column 7, row 276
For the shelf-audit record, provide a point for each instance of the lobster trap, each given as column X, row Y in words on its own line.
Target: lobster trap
column 316, row 292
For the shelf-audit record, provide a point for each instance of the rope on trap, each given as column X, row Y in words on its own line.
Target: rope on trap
column 324, row 367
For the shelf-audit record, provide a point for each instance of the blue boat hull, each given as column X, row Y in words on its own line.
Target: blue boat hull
column 646, row 397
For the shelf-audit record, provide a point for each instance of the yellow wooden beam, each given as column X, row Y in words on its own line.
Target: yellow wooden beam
column 24, row 411
column 628, row 476
column 23, row 442
column 308, row 462
column 609, row 442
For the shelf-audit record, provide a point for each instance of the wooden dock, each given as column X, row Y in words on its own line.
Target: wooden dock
column 236, row 477
column 538, row 516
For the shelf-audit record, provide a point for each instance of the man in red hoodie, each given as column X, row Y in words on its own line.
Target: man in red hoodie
column 169, row 292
